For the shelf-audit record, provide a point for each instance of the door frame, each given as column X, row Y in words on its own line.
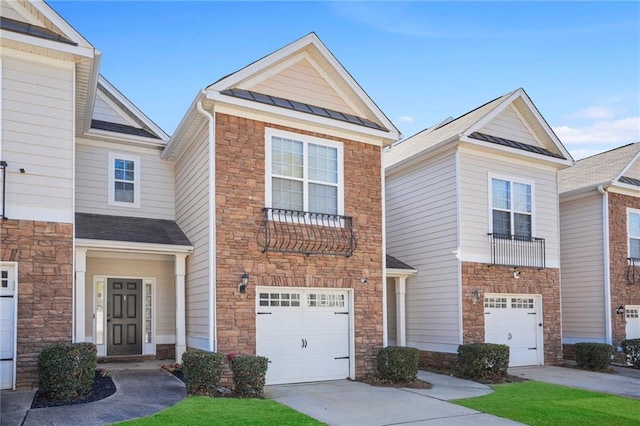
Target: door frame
column 350, row 304
column 14, row 295
column 148, row 348
column 626, row 320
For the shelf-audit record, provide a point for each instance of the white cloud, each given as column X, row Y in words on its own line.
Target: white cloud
column 407, row 119
column 606, row 132
column 594, row 113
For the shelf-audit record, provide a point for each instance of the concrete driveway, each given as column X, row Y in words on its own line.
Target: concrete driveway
column 344, row 402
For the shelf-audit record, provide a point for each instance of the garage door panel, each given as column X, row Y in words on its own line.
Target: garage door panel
column 632, row 316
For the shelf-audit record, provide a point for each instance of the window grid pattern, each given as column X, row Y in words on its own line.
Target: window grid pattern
column 633, row 229
column 632, row 313
column 124, row 180
column 325, row 300
column 4, row 279
column 283, row 300
column 495, row 302
column 511, row 208
column 520, row 303
column 148, row 296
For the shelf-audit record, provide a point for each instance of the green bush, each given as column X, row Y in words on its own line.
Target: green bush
column 249, row 375
column 202, row 371
column 484, row 361
column 631, row 348
column 396, row 364
column 67, row 370
column 593, row 356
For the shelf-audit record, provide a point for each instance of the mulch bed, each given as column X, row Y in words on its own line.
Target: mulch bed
column 373, row 380
column 488, row 381
column 103, row 387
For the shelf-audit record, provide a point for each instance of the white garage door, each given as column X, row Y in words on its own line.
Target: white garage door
column 632, row 314
column 7, row 326
column 304, row 333
column 516, row 321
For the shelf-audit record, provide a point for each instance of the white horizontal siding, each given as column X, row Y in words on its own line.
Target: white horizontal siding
column 421, row 216
column 475, row 169
column 103, row 111
column 6, row 11
column 301, row 82
column 37, row 136
column 633, row 171
column 582, row 272
column 508, row 125
column 192, row 215
column 92, row 182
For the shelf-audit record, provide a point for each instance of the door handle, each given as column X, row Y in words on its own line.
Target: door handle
column 510, row 336
column 304, row 343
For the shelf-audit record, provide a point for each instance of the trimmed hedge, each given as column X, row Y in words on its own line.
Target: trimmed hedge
column 631, row 348
column 249, row 375
column 593, row 356
column 397, row 364
column 484, row 361
column 67, row 370
column 202, row 371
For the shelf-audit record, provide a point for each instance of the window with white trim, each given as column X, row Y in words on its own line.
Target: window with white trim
column 511, row 208
column 633, row 233
column 303, row 173
column 124, row 180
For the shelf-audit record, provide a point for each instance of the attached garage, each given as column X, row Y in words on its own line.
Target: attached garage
column 8, row 302
column 516, row 321
column 306, row 333
column 632, row 327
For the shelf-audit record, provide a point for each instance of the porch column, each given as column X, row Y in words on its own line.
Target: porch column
column 181, row 336
column 79, row 300
column 401, row 332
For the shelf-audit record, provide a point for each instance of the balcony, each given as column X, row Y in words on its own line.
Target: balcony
column 520, row 251
column 633, row 270
column 292, row 231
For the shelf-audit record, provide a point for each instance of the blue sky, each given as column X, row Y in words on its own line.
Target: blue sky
column 420, row 61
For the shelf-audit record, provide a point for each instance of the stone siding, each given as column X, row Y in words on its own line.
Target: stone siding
column 44, row 254
column 240, row 197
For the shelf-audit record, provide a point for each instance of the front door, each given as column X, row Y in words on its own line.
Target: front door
column 124, row 319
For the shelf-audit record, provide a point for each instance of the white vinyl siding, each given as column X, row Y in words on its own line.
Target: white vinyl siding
column 110, row 265
column 582, row 272
column 475, row 169
column 103, row 110
column 508, row 125
column 192, row 215
column 7, row 11
column 421, row 222
column 92, row 181
column 633, row 171
column 301, row 82
column 38, row 136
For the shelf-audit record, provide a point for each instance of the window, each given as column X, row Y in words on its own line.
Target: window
column 633, row 232
column 511, row 208
column 303, row 173
column 124, row 180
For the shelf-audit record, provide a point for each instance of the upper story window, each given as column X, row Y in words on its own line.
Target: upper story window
column 633, row 233
column 511, row 208
column 303, row 173
column 124, row 180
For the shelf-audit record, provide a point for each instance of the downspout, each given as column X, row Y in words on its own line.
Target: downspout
column 213, row 330
column 607, row 261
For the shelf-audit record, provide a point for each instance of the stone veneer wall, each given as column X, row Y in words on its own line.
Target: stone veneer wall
column 44, row 252
column 240, row 197
column 499, row 279
column 622, row 293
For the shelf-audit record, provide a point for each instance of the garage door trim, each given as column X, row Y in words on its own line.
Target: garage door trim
column 9, row 290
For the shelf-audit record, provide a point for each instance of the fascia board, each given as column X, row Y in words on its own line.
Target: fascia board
column 92, row 87
column 506, row 149
column 183, row 126
column 492, row 114
column 418, row 155
column 124, row 138
column 59, row 22
column 87, row 52
column 581, row 192
column 626, row 187
column 302, row 116
column 627, row 167
column 109, row 245
column 393, row 272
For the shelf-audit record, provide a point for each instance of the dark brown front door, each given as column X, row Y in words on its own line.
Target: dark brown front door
column 124, row 319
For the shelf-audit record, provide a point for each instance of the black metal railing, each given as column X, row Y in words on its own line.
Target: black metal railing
column 514, row 250
column 633, row 270
column 293, row 231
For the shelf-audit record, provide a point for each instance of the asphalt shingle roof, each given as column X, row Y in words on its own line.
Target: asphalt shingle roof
column 121, row 128
column 393, row 263
column 129, row 229
column 32, row 30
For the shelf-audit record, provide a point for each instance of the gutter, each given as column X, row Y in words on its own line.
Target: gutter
column 213, row 331
column 607, row 262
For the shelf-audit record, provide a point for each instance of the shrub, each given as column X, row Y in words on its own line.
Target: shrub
column 593, row 356
column 202, row 371
column 631, row 348
column 249, row 375
column 396, row 364
column 67, row 370
column 484, row 361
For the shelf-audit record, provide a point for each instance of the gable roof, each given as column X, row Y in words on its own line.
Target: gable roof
column 469, row 128
column 263, row 87
column 606, row 168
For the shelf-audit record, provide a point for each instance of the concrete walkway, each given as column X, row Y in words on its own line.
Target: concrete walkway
column 139, row 393
column 624, row 382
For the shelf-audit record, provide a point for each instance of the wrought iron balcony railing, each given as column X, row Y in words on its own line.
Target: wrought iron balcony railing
column 514, row 250
column 293, row 231
column 633, row 270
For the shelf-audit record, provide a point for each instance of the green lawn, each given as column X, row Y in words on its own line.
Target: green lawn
column 536, row 403
column 202, row 410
